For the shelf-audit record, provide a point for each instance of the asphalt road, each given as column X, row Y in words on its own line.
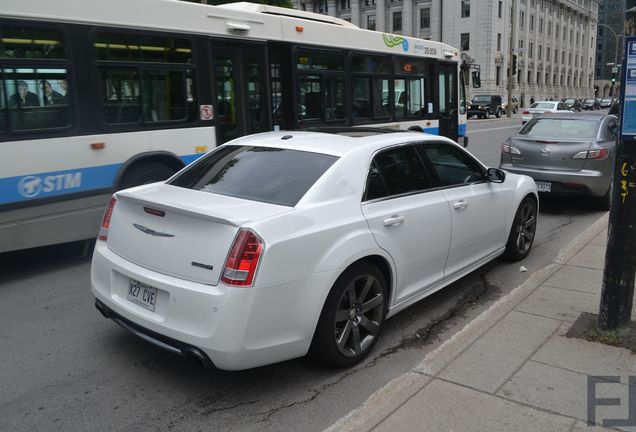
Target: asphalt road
column 64, row 367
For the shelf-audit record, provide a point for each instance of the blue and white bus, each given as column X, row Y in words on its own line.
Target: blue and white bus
column 99, row 96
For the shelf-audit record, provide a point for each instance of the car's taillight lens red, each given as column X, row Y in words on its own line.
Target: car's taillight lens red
column 526, row 112
column 242, row 262
column 103, row 230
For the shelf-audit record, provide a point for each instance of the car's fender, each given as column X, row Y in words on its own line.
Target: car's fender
column 518, row 187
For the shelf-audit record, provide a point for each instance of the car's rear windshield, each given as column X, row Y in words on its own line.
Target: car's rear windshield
column 590, row 100
column 570, row 100
column 560, row 128
column 271, row 175
column 542, row 105
column 481, row 99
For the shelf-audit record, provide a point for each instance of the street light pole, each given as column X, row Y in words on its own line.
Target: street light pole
column 510, row 55
column 615, row 53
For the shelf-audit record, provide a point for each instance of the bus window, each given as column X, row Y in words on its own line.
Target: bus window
column 310, row 97
column 36, row 98
column 370, row 86
column 416, row 97
column 22, row 41
column 121, row 96
column 334, row 98
column 163, row 96
column 165, row 88
column 381, row 98
column 361, row 89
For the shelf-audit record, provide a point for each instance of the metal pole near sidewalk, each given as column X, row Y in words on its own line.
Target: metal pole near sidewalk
column 617, row 293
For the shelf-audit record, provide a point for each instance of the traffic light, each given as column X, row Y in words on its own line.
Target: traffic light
column 514, row 64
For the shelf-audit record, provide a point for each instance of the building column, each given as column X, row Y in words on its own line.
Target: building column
column 380, row 24
column 331, row 8
column 355, row 12
column 407, row 17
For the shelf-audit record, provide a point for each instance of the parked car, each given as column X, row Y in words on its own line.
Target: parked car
column 591, row 104
column 514, row 106
column 542, row 107
column 573, row 104
column 566, row 154
column 276, row 243
column 484, row 105
column 606, row 103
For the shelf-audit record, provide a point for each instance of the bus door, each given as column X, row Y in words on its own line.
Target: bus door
column 448, row 104
column 240, row 96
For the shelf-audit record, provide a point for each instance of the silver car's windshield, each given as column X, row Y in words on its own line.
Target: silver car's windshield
column 560, row 128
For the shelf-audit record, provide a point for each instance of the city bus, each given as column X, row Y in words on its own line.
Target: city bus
column 100, row 96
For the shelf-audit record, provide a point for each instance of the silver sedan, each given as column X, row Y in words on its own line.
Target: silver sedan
column 566, row 154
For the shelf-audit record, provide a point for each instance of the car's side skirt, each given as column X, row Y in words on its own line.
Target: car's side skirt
column 443, row 283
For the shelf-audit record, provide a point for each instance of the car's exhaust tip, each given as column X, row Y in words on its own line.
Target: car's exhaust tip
column 198, row 357
column 102, row 309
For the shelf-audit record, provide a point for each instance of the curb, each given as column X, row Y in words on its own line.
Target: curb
column 383, row 402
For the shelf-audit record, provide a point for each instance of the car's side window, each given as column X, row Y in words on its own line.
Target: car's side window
column 396, row 171
column 452, row 166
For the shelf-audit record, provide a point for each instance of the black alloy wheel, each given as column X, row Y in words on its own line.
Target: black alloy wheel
column 352, row 317
column 523, row 230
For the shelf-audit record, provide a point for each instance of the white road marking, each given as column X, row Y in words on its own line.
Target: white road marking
column 492, row 129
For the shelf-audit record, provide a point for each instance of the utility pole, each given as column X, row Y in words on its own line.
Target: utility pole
column 511, row 47
column 617, row 293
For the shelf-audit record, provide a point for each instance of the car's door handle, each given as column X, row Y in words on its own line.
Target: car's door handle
column 393, row 220
column 460, row 205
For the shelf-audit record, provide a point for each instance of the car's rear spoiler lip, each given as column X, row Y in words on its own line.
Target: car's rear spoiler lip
column 181, row 209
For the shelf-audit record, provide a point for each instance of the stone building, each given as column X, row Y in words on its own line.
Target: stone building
column 555, row 41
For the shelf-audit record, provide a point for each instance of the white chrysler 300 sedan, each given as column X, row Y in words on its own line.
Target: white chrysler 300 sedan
column 279, row 244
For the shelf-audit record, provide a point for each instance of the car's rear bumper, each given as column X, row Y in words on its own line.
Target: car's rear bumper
column 234, row 327
column 584, row 182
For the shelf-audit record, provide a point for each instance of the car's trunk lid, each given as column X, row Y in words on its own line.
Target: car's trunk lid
column 549, row 153
column 181, row 232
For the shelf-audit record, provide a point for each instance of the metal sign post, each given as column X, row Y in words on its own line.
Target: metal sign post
column 617, row 293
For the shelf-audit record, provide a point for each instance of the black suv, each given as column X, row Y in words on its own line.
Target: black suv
column 484, row 105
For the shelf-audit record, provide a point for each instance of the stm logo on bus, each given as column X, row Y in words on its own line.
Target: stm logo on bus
column 32, row 186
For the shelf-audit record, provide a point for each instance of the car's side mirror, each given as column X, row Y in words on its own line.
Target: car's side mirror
column 496, row 175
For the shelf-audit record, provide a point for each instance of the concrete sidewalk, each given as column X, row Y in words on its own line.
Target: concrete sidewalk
column 513, row 368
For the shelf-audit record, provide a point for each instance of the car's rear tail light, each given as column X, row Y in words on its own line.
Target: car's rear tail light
column 597, row 154
column 103, row 230
column 525, row 113
column 507, row 148
column 242, row 262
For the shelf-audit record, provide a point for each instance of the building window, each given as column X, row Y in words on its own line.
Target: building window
column 397, row 21
column 562, row 57
column 498, row 71
column 529, row 77
column 371, row 22
column 465, row 41
column 498, row 41
column 538, row 78
column 539, row 53
column 556, row 55
column 547, row 55
column 530, row 50
column 549, row 28
column 531, row 22
column 521, row 18
column 425, row 18
column 499, row 8
column 465, row 8
column 556, row 33
column 541, row 25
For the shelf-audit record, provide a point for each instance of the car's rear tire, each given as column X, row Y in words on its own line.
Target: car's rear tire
column 498, row 114
column 523, row 230
column 352, row 317
column 603, row 203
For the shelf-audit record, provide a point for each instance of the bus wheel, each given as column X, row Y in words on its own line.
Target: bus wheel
column 144, row 173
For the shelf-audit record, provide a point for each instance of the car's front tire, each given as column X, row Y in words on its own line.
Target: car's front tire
column 352, row 317
column 524, row 227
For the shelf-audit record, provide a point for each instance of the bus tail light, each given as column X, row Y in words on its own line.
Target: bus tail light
column 103, row 230
column 242, row 262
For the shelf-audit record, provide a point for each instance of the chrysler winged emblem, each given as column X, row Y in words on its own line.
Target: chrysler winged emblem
column 151, row 231
column 545, row 151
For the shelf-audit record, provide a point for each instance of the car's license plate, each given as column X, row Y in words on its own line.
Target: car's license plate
column 142, row 294
column 544, row 186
